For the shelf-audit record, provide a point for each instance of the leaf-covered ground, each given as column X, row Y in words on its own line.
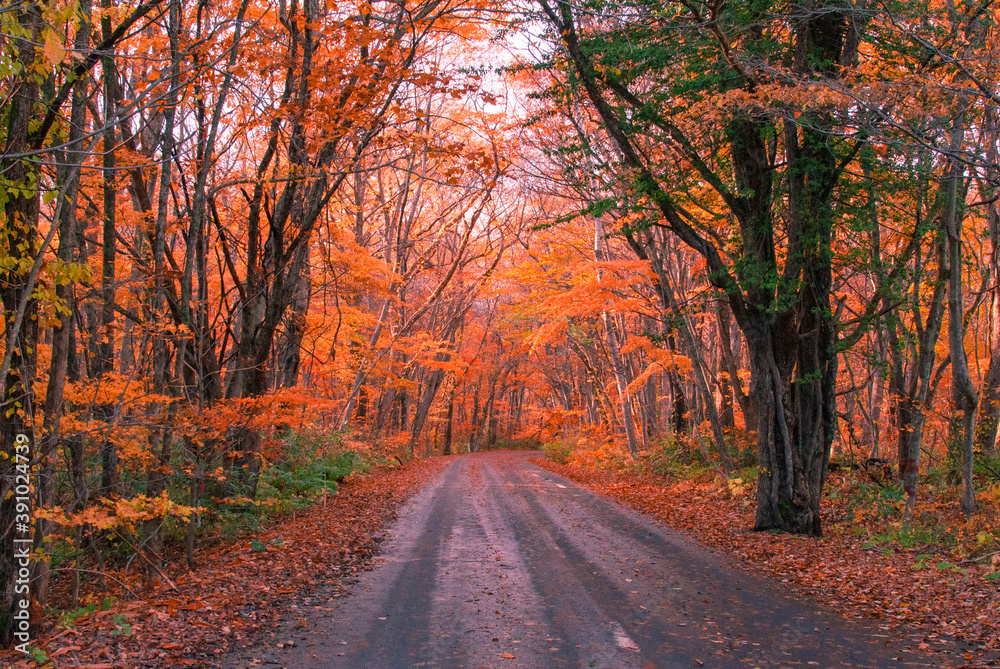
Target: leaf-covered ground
column 240, row 588
column 907, row 591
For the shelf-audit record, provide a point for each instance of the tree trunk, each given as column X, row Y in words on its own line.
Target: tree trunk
column 295, row 327
column 68, row 174
column 963, row 391
column 103, row 335
column 989, row 397
column 621, row 382
column 449, row 419
column 17, row 407
column 913, row 390
column 793, row 360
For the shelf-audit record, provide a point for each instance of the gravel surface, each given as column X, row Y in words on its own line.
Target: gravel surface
column 499, row 563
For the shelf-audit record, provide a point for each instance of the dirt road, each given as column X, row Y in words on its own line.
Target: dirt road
column 500, row 563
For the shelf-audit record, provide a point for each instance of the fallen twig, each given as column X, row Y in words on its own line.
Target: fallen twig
column 98, row 573
column 980, row 558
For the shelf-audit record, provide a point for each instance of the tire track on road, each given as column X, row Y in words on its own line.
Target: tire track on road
column 503, row 564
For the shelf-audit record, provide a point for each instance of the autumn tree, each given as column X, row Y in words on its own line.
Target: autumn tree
column 728, row 118
column 38, row 79
column 172, row 255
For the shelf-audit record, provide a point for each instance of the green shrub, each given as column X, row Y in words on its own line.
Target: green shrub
column 988, row 466
column 885, row 501
column 676, row 456
column 312, row 464
column 557, row 451
column 297, row 480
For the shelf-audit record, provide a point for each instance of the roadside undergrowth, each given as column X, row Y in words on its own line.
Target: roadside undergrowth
column 239, row 588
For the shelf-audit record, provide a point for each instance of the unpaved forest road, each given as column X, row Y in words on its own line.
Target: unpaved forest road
column 500, row 563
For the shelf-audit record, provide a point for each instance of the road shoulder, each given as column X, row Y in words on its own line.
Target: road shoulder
column 924, row 612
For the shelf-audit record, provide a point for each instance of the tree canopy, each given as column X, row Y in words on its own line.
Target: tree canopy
column 244, row 240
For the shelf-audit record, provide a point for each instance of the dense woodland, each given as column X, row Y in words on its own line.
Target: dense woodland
column 240, row 237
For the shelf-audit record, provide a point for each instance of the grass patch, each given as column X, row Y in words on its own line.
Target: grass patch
column 69, row 618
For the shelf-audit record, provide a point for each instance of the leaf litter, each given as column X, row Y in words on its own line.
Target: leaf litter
column 930, row 603
column 241, row 589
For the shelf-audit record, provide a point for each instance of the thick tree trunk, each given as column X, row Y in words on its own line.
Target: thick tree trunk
column 793, row 358
column 793, row 437
column 17, row 406
column 295, row 327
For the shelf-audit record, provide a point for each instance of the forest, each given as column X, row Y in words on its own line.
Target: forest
column 250, row 246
